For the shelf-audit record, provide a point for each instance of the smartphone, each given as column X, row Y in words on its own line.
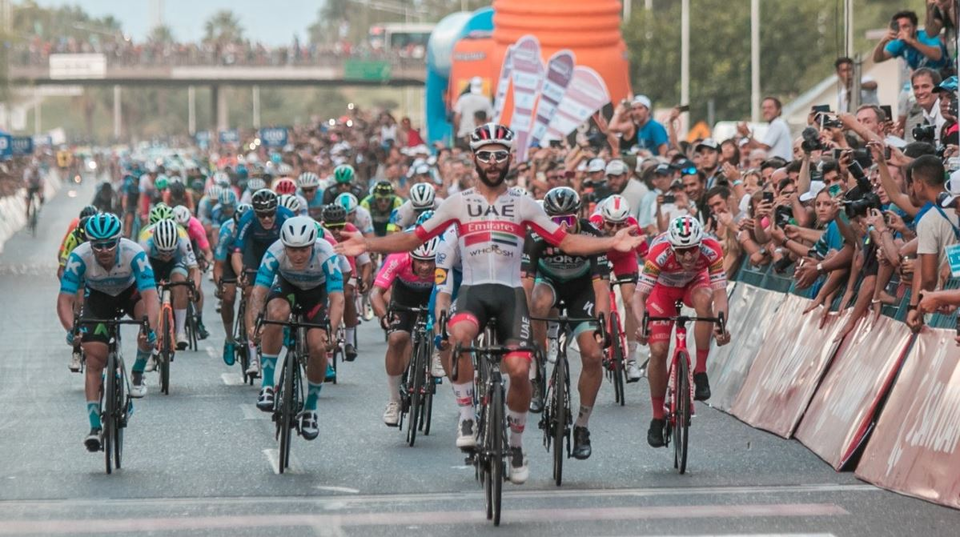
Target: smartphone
column 768, row 197
column 684, row 108
column 887, row 111
column 886, row 153
column 837, row 153
column 669, row 198
column 554, row 143
column 820, row 109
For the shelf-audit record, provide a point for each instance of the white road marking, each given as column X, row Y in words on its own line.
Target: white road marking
column 232, row 379
column 273, row 458
column 346, row 490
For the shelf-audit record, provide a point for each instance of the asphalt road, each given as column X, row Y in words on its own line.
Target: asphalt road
column 202, row 461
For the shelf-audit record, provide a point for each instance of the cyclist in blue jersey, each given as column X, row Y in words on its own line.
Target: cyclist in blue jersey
column 223, row 211
column 223, row 269
column 117, row 279
column 297, row 270
column 256, row 231
column 309, row 184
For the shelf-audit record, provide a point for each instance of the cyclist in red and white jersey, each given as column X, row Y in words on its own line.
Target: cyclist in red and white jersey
column 682, row 264
column 612, row 215
column 492, row 223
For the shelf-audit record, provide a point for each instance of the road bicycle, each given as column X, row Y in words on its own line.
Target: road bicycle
column 614, row 356
column 116, row 405
column 489, row 458
column 417, row 387
column 557, row 418
column 678, row 401
column 288, row 404
column 166, row 330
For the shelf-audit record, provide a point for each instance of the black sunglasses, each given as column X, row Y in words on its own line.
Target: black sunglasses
column 105, row 245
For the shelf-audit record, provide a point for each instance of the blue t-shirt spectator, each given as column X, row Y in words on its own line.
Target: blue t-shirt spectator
column 651, row 136
column 915, row 59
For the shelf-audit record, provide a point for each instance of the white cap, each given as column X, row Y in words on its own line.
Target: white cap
column 596, row 165
column 476, row 85
column 421, row 169
column 616, row 167
column 815, row 188
column 642, row 100
column 953, row 189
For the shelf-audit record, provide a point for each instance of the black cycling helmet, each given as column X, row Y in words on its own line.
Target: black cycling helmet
column 89, row 210
column 383, row 189
column 334, row 214
column 561, row 200
column 177, row 189
column 264, row 201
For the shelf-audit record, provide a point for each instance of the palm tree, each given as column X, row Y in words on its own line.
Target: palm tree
column 223, row 27
column 161, row 34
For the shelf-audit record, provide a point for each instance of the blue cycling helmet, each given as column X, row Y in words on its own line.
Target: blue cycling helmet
column 104, row 226
column 424, row 216
column 228, row 198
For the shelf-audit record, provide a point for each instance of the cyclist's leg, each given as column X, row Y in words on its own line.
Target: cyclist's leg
column 463, row 327
column 350, row 319
column 398, row 351
column 94, row 340
column 700, row 298
column 180, row 297
column 271, row 340
column 543, row 298
column 580, row 299
column 630, row 321
column 135, row 308
column 513, row 325
column 660, row 303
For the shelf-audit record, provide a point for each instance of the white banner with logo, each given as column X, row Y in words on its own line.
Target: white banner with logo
column 586, row 94
column 528, row 73
column 503, row 85
column 559, row 73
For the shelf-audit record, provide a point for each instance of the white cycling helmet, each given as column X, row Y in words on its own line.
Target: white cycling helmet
column 256, row 184
column 166, row 236
column 290, row 202
column 308, row 180
column 491, row 134
column 426, row 251
column 615, row 209
column 182, row 215
column 298, row 232
column 422, row 196
column 684, row 232
column 349, row 202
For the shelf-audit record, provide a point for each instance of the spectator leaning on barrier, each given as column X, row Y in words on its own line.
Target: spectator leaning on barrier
column 938, row 229
column 868, row 86
column 777, row 142
column 635, row 124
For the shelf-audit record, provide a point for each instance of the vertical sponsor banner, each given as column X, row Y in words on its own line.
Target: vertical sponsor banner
column 559, row 73
column 915, row 449
column 527, row 81
column 503, row 84
column 585, row 94
column 841, row 412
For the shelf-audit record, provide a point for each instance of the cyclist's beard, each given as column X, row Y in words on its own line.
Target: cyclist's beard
column 496, row 176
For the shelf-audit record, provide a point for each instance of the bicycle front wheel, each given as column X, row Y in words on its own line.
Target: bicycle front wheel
column 166, row 350
column 286, row 411
column 118, row 420
column 560, row 415
column 617, row 352
column 682, row 413
column 496, row 453
column 110, row 409
column 415, row 378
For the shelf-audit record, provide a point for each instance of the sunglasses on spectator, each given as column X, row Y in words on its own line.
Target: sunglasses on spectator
column 568, row 219
column 686, row 252
column 487, row 156
column 688, row 171
column 101, row 246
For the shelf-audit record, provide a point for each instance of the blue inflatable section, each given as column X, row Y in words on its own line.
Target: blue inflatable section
column 439, row 51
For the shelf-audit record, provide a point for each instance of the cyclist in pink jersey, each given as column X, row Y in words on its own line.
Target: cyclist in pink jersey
column 409, row 278
column 492, row 222
column 683, row 265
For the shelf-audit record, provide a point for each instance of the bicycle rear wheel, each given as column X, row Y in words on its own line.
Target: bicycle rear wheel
column 192, row 325
column 166, row 350
column 496, row 453
column 682, row 413
column 108, row 392
column 560, row 416
column 118, row 420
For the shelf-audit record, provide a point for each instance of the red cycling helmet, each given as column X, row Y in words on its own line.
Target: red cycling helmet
column 285, row 186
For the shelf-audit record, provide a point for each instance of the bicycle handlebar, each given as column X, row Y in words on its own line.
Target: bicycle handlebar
column 292, row 324
column 684, row 319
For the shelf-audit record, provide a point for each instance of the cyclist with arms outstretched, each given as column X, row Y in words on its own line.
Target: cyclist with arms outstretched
column 683, row 264
column 492, row 221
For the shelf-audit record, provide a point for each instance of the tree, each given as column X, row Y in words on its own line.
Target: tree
column 223, row 27
column 162, row 34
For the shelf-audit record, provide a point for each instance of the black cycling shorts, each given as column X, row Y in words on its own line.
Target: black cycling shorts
column 578, row 296
column 400, row 294
column 99, row 305
column 313, row 302
column 162, row 270
column 478, row 303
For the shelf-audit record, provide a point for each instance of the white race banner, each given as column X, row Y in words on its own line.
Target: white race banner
column 503, row 85
column 559, row 73
column 528, row 73
column 586, row 94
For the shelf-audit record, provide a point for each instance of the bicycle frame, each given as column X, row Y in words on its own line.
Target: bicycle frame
column 417, row 387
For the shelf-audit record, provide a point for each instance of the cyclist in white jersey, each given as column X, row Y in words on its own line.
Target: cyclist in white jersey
column 492, row 223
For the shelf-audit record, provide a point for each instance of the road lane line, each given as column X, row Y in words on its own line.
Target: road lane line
column 232, row 379
column 251, row 412
column 346, row 490
column 668, row 512
column 273, row 459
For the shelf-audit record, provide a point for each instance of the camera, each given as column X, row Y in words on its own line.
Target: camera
column 811, row 140
column 783, row 215
column 858, row 201
column 924, row 133
column 669, row 198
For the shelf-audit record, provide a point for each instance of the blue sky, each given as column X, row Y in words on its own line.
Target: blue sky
column 272, row 22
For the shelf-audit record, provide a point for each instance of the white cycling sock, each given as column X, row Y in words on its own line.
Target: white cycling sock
column 517, row 421
column 553, row 329
column 631, row 350
column 393, row 381
column 583, row 418
column 464, row 396
column 180, row 319
column 348, row 333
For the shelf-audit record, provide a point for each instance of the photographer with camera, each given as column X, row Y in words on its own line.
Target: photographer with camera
column 924, row 120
